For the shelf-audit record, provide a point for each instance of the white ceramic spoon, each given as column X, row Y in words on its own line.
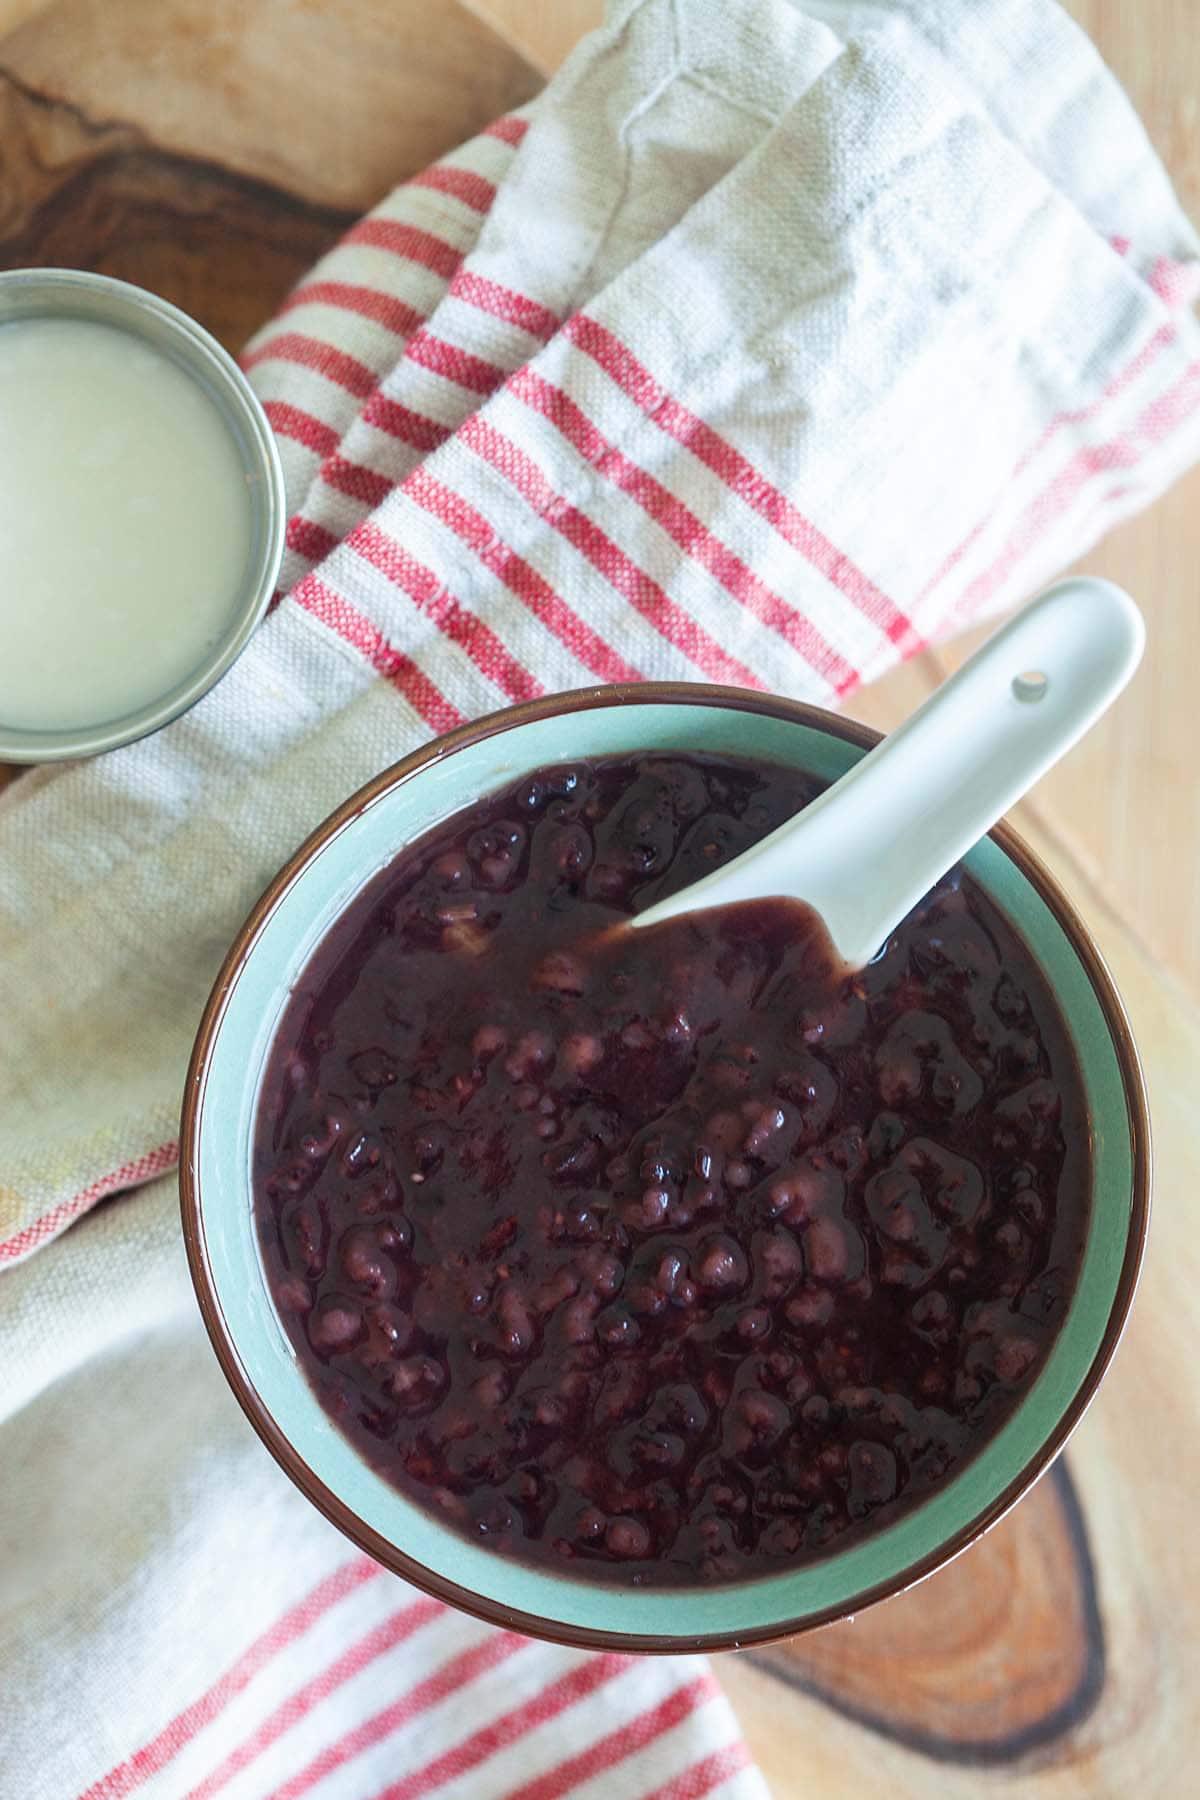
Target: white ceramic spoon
column 865, row 852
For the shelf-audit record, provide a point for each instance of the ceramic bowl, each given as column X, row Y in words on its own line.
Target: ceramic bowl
column 222, row 1091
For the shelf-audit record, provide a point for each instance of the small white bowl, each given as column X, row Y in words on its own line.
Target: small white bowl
column 76, row 294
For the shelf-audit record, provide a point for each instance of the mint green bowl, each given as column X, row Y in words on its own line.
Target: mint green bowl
column 222, row 1092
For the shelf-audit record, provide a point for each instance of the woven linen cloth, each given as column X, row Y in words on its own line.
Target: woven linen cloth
column 767, row 345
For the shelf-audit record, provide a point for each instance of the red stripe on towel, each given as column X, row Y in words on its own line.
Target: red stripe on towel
column 394, row 1630
column 454, row 1675
column 371, row 303
column 355, row 479
column 556, row 1697
column 1123, row 452
column 406, row 241
column 463, row 627
column 302, row 427
column 453, row 364
column 1145, row 357
column 740, row 475
column 131, row 1174
column 509, row 129
column 688, row 531
column 313, row 353
column 422, row 694
column 518, row 576
column 402, row 422
column 461, row 184
column 642, row 592
column 309, row 539
column 613, row 1748
column 703, row 1776
column 170, row 1741
column 504, row 303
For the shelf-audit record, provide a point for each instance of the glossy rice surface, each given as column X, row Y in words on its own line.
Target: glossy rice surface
column 669, row 1257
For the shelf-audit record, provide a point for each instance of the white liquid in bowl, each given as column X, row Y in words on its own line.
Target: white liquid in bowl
column 125, row 524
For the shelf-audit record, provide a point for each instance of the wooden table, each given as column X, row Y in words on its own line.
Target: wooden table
column 211, row 149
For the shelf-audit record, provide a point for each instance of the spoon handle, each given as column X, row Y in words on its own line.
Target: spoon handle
column 867, row 849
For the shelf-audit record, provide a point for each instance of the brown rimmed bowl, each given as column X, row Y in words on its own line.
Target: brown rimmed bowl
column 220, row 1104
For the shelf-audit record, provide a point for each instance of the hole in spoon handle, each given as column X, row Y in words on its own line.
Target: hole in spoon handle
column 1031, row 686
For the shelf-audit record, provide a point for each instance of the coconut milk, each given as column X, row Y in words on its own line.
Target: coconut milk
column 125, row 524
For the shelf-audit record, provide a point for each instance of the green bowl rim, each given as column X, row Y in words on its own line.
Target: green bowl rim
column 335, row 1509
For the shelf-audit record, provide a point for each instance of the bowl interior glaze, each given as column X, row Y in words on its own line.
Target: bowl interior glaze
column 218, row 1127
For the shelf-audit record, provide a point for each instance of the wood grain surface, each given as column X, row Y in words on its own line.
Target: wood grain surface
column 210, row 149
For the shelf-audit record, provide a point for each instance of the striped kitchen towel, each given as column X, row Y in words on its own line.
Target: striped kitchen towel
column 769, row 344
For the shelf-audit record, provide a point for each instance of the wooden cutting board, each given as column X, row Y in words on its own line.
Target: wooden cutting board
column 211, row 149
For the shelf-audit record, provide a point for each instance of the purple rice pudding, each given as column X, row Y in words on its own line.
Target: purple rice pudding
column 675, row 1256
